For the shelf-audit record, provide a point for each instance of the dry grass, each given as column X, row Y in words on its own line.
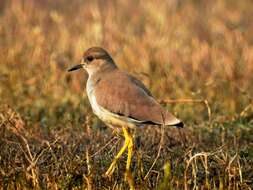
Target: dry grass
column 195, row 56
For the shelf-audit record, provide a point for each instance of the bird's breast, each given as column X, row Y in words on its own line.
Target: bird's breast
column 92, row 98
column 104, row 114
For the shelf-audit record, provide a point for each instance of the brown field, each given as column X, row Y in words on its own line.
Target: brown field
column 195, row 56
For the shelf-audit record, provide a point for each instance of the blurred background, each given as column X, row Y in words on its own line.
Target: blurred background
column 179, row 49
column 199, row 53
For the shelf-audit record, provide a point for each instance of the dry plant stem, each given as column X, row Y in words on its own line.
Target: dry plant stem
column 229, row 168
column 245, row 110
column 194, row 165
column 114, row 146
column 28, row 155
column 88, row 161
column 240, row 170
column 89, row 187
column 51, row 150
column 89, row 168
column 158, row 153
column 103, row 147
column 191, row 101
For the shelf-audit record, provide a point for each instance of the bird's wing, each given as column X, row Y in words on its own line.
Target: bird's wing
column 124, row 95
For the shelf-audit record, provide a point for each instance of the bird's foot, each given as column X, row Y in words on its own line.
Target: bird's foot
column 129, row 179
column 128, row 175
column 110, row 170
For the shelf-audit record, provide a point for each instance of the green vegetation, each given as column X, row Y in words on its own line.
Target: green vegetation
column 195, row 56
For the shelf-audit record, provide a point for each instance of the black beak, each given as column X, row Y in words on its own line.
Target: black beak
column 76, row 67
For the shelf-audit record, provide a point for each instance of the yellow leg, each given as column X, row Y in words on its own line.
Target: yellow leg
column 128, row 175
column 130, row 152
column 128, row 139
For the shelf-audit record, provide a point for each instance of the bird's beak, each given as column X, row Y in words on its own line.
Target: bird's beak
column 76, row 67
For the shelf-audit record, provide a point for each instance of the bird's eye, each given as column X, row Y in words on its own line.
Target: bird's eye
column 90, row 58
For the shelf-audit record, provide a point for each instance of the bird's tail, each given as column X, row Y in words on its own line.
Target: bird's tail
column 171, row 120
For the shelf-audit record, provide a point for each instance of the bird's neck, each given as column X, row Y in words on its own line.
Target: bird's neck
column 108, row 66
column 96, row 76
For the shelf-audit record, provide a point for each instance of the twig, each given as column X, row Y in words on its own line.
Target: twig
column 204, row 154
column 186, row 100
column 159, row 151
column 28, row 155
column 245, row 110
column 103, row 147
column 88, row 161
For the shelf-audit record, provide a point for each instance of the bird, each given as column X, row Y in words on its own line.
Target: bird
column 120, row 100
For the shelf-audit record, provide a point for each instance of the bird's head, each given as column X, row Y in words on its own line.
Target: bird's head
column 95, row 59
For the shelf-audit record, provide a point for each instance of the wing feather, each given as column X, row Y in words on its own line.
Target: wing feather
column 125, row 95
